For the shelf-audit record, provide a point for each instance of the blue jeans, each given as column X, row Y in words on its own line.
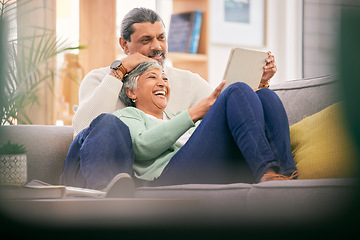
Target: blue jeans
column 243, row 134
column 242, row 126
column 98, row 153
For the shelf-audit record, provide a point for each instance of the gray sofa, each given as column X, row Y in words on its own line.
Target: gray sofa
column 287, row 201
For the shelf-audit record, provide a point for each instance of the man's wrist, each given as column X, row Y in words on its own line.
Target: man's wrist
column 118, row 69
column 117, row 73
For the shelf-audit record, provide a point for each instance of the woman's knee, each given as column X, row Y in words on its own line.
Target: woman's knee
column 237, row 87
column 271, row 102
column 108, row 121
column 267, row 93
column 241, row 94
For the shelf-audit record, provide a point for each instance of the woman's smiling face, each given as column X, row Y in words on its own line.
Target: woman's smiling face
column 152, row 93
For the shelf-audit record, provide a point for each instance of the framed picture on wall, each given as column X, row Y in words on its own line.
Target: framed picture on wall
column 238, row 22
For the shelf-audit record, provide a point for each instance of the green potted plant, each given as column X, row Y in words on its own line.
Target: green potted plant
column 13, row 164
column 26, row 68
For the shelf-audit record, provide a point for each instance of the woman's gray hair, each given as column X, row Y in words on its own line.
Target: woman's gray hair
column 130, row 80
column 137, row 15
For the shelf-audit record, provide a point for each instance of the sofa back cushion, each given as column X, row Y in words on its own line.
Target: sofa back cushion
column 46, row 146
column 304, row 97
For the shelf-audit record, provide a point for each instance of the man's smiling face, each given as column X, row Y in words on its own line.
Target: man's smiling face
column 148, row 39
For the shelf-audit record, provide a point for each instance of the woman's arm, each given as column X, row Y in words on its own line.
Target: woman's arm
column 151, row 139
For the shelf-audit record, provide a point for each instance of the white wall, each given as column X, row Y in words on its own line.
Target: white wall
column 283, row 39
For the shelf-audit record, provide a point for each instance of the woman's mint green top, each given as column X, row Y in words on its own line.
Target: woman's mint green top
column 154, row 140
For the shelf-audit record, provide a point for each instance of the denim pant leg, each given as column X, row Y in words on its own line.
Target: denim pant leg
column 233, row 130
column 277, row 130
column 98, row 153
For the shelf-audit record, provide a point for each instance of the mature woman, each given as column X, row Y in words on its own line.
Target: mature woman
column 241, row 131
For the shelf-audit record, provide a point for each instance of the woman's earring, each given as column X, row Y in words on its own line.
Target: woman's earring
column 134, row 100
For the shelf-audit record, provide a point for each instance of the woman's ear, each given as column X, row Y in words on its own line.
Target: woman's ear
column 124, row 45
column 131, row 93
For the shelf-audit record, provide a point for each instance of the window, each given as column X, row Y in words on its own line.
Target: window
column 321, row 31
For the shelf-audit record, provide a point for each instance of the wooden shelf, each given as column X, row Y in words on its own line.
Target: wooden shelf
column 196, row 63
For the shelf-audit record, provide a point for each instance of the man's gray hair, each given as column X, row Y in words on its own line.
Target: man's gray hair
column 137, row 15
column 130, row 80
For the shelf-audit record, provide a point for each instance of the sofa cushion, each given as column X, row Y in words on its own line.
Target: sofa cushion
column 209, row 195
column 305, row 97
column 47, row 147
column 321, row 146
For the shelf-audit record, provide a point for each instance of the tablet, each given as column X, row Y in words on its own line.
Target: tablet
column 245, row 65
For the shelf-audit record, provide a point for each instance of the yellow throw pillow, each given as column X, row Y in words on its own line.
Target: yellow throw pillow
column 321, row 146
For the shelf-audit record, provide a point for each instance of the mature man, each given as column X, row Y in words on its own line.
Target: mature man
column 102, row 139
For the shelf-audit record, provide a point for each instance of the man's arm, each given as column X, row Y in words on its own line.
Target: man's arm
column 99, row 93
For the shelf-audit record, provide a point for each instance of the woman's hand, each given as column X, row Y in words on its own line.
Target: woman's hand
column 199, row 110
column 269, row 70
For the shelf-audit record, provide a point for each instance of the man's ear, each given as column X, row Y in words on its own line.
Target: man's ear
column 131, row 93
column 124, row 45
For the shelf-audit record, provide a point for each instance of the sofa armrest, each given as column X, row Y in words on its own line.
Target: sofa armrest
column 46, row 145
